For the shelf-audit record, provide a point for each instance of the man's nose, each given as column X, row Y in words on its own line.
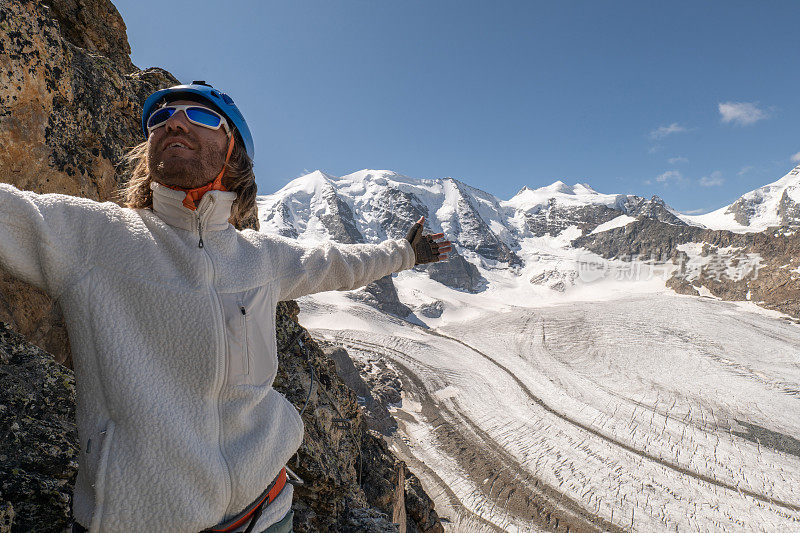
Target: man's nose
column 177, row 121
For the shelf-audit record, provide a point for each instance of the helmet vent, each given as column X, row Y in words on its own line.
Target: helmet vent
column 200, row 82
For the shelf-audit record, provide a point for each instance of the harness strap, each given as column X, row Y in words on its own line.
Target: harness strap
column 253, row 511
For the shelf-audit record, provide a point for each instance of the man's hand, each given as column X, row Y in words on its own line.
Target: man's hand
column 426, row 249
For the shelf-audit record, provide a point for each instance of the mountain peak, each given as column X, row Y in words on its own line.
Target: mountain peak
column 369, row 173
column 774, row 204
column 559, row 186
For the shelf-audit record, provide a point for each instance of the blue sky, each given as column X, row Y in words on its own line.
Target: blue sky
column 695, row 101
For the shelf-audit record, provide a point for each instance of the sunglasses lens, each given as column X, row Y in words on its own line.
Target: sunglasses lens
column 160, row 116
column 203, row 116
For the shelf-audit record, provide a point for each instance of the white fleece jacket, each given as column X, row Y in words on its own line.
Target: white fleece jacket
column 174, row 347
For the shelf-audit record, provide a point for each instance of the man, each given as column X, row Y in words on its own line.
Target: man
column 170, row 311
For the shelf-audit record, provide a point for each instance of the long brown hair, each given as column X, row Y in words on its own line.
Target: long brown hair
column 238, row 178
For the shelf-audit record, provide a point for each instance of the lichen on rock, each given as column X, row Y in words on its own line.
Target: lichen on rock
column 39, row 441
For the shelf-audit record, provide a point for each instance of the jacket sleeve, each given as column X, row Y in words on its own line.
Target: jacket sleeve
column 38, row 243
column 331, row 266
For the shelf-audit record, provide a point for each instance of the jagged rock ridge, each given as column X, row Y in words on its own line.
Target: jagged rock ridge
column 760, row 267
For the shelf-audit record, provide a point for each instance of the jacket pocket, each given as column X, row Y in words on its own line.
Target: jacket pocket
column 249, row 333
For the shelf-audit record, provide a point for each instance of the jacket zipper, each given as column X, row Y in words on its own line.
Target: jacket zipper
column 220, row 349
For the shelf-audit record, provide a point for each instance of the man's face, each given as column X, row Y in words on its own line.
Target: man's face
column 182, row 154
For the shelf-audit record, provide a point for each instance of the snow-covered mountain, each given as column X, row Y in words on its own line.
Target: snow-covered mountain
column 372, row 205
column 776, row 204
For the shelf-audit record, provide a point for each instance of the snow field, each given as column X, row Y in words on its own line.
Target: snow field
column 615, row 405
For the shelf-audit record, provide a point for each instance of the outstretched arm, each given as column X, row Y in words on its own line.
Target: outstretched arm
column 35, row 241
column 333, row 266
column 348, row 266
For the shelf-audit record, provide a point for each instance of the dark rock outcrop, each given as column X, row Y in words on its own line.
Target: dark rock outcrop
column 351, row 476
column 556, row 280
column 553, row 218
column 472, row 232
column 759, row 267
column 646, row 238
column 339, row 219
column 382, row 295
column 38, row 438
column 377, row 385
column 432, row 310
column 456, row 273
column 396, row 211
column 789, row 210
column 681, row 286
column 655, row 208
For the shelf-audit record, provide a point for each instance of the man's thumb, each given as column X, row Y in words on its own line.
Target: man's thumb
column 415, row 229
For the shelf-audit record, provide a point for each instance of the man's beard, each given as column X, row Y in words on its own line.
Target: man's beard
column 188, row 172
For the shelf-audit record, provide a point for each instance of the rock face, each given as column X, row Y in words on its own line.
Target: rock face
column 554, row 219
column 352, row 480
column 556, row 280
column 397, row 210
column 473, row 231
column 760, row 267
column 382, row 295
column 655, row 209
column 39, row 444
column 432, row 310
column 646, row 238
column 338, row 219
column 70, row 102
column 377, row 385
column 552, row 209
column 456, row 272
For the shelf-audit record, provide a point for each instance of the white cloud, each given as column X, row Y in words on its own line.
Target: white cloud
column 676, row 160
column 669, row 175
column 712, row 180
column 796, row 158
column 741, row 113
column 695, row 212
column 744, row 170
column 663, row 131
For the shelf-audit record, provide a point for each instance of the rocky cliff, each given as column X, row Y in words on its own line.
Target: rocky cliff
column 760, row 267
column 70, row 101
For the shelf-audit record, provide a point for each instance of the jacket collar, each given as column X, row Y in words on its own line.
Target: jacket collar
column 213, row 210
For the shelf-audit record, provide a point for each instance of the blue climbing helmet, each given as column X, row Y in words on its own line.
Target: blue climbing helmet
column 219, row 101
